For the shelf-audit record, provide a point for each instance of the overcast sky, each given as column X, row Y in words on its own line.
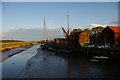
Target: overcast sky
column 30, row 15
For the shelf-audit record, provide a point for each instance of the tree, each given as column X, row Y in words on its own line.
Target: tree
column 88, row 31
column 76, row 30
column 97, row 29
column 96, row 34
column 74, row 37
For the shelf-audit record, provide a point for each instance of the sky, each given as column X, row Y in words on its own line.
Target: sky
column 30, row 15
column 25, row 16
column 0, row 18
column 60, row 0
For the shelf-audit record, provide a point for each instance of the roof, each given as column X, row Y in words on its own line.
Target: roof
column 115, row 29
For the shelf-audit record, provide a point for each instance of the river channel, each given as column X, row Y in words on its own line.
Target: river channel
column 37, row 63
column 12, row 66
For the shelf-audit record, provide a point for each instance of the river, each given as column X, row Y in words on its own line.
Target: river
column 36, row 63
column 47, row 64
column 12, row 66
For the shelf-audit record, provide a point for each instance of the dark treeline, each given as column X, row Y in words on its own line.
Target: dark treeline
column 11, row 41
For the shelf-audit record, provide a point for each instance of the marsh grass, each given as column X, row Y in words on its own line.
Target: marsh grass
column 12, row 45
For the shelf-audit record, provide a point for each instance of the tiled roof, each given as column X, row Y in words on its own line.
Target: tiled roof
column 115, row 29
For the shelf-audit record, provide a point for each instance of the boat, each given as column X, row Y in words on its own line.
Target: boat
column 94, row 60
column 100, row 57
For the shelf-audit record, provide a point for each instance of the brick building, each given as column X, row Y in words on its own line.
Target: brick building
column 84, row 38
column 110, row 35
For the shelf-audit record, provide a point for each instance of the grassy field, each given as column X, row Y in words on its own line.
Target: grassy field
column 11, row 45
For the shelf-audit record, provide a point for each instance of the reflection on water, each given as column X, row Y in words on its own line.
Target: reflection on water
column 16, row 63
column 0, row 70
column 0, row 65
column 46, row 64
column 87, row 69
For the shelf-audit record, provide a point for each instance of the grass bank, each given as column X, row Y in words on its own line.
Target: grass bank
column 4, row 46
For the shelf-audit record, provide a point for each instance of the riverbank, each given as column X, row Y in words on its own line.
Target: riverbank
column 9, row 53
column 5, row 46
column 112, row 53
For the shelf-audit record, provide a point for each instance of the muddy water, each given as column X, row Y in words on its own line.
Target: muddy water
column 0, row 70
column 47, row 64
column 12, row 66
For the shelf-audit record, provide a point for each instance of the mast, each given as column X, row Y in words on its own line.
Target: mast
column 68, row 22
column 45, row 33
column 50, row 32
column 50, row 36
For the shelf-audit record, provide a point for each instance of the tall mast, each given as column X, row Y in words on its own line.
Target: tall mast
column 50, row 36
column 45, row 30
column 50, row 32
column 68, row 22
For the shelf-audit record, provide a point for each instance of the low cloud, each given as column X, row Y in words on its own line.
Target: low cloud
column 96, row 25
column 39, row 34
column 31, row 34
column 93, row 26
